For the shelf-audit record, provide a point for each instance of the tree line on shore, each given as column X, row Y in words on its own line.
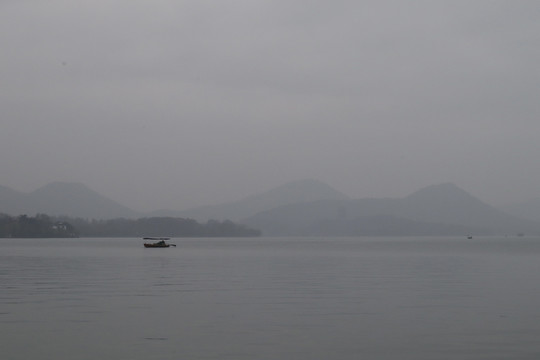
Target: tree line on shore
column 42, row 225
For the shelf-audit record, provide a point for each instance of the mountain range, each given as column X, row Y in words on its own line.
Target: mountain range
column 442, row 209
column 301, row 208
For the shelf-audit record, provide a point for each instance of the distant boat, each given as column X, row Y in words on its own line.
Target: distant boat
column 160, row 244
column 469, row 237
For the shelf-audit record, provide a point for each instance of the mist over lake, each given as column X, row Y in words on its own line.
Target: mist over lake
column 341, row 180
column 271, row 298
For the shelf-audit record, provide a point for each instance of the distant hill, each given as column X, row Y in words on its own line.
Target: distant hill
column 441, row 209
column 527, row 209
column 61, row 198
column 301, row 191
column 449, row 203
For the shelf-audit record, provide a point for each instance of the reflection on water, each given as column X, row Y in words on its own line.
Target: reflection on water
column 379, row 298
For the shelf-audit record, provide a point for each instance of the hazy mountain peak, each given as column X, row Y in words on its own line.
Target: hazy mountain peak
column 62, row 198
column 300, row 191
column 441, row 191
column 303, row 191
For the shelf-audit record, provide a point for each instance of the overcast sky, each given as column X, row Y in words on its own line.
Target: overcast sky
column 173, row 104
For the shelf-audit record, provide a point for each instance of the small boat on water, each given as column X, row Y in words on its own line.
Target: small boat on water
column 160, row 244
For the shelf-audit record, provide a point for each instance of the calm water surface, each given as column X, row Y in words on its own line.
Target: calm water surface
column 354, row 298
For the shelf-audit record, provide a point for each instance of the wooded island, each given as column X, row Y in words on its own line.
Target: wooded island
column 44, row 226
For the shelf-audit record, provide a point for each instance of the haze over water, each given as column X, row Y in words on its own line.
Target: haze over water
column 289, row 298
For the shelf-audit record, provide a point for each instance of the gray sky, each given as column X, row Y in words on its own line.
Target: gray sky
column 172, row 104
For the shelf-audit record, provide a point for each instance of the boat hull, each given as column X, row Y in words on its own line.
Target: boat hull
column 156, row 245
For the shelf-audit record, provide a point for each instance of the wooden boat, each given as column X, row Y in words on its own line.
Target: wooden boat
column 160, row 244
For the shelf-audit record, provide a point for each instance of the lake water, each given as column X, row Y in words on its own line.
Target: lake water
column 263, row 298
